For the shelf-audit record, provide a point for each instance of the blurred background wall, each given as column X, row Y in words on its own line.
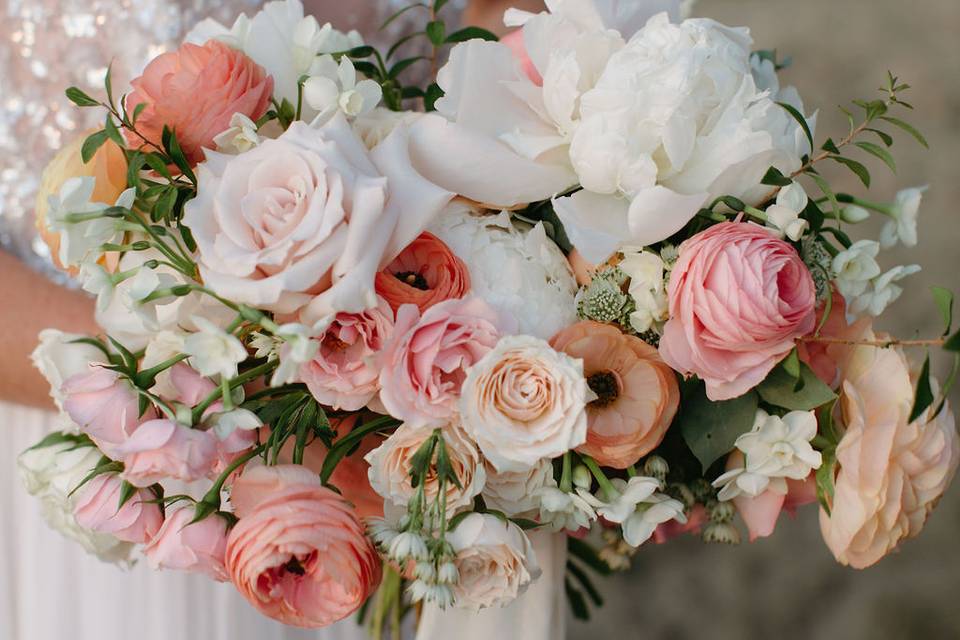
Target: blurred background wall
column 788, row 586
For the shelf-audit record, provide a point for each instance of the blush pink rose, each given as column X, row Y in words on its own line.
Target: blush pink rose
column 163, row 449
column 104, row 406
column 298, row 553
column 195, row 91
column 98, row 508
column 344, row 374
column 426, row 272
column 181, row 546
column 426, row 362
column 739, row 299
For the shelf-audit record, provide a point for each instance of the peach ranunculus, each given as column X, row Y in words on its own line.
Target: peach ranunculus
column 426, row 362
column 162, row 449
column 137, row 521
column 523, row 402
column 104, row 406
column 108, row 168
column 195, row 91
column 638, row 395
column 344, row 374
column 299, row 553
column 199, row 547
column 891, row 472
column 739, row 299
column 320, row 217
column 390, row 465
column 425, row 273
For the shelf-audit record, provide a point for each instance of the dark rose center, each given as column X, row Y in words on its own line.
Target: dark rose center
column 294, row 566
column 333, row 343
column 606, row 386
column 413, row 279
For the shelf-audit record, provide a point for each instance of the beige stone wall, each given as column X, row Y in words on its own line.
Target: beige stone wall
column 788, row 586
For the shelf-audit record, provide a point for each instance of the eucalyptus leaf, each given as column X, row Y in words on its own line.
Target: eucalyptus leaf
column 710, row 428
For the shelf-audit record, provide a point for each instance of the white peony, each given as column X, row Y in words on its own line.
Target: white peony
column 51, row 473
column 540, row 289
column 516, row 493
column 59, row 357
column 494, row 559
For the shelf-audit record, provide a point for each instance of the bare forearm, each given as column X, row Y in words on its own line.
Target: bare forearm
column 29, row 303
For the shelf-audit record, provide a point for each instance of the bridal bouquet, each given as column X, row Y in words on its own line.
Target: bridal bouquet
column 361, row 333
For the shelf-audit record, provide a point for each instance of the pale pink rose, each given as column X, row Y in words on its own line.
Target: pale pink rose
column 739, row 299
column 98, row 508
column 298, row 554
column 425, row 363
column 514, row 40
column 198, row 547
column 163, row 449
column 891, row 472
column 344, row 374
column 195, row 91
column 104, row 406
column 305, row 221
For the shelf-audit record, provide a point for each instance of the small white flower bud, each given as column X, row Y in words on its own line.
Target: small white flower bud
column 582, row 477
column 854, row 214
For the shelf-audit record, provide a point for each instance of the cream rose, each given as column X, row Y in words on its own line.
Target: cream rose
column 517, row 493
column 390, row 464
column 307, row 220
column 495, row 560
column 891, row 472
column 523, row 402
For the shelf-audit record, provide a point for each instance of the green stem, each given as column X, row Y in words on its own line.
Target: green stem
column 243, row 378
column 609, row 490
column 566, row 475
column 213, row 495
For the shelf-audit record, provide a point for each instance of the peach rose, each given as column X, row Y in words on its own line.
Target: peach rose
column 424, row 273
column 826, row 359
column 195, row 91
column 739, row 299
column 638, row 395
column 390, row 465
column 298, row 554
column 199, row 547
column 103, row 406
column 162, row 449
column 344, row 374
column 137, row 521
column 523, row 402
column 108, row 168
column 426, row 362
column 891, row 472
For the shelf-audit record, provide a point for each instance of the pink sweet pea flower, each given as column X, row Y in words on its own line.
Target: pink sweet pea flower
column 98, row 508
column 198, row 547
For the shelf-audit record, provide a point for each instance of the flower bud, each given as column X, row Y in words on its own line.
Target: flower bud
column 721, row 512
column 723, row 533
column 682, row 493
column 408, row 545
column 703, row 491
column 424, row 570
column 854, row 214
column 448, row 573
column 656, row 467
column 582, row 477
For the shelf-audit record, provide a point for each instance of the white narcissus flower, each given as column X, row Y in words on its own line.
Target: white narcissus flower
column 516, row 493
column 58, row 357
column 856, row 267
column 638, row 507
column 51, row 473
column 560, row 510
column 902, row 226
column 495, row 561
column 647, row 287
column 240, row 137
column 776, row 449
column 541, row 290
column 213, row 351
column 784, row 215
column 73, row 216
column 334, row 87
column 882, row 293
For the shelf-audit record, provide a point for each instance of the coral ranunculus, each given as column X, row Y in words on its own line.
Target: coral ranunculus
column 425, row 273
column 739, row 299
column 298, row 553
column 638, row 392
column 195, row 91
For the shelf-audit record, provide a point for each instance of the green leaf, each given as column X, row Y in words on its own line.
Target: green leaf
column 781, row 389
column 137, row 110
column 775, row 178
column 155, row 161
column 952, row 343
column 342, row 446
column 879, row 152
column 588, row 555
column 831, row 146
column 108, row 83
column 711, row 428
column 436, row 31
column 433, row 93
column 439, row 4
column 885, row 137
column 526, row 524
column 58, row 437
column 924, row 395
column 92, row 144
column 401, row 66
column 388, row 21
column 909, row 128
column 824, row 478
column 402, row 41
column 944, row 299
column 802, row 121
column 856, row 167
column 112, row 132
column 127, row 491
column 81, row 99
column 471, row 33
column 578, row 604
column 585, row 582
column 827, row 191
column 368, row 69
column 363, row 51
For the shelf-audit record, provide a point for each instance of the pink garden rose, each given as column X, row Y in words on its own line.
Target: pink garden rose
column 426, row 362
column 298, row 553
column 198, row 547
column 344, row 375
column 104, row 406
column 162, row 449
column 195, row 91
column 96, row 508
column 739, row 299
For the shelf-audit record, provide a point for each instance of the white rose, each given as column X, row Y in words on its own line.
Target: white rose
column 517, row 493
column 58, row 357
column 541, row 289
column 321, row 216
column 50, row 473
column 524, row 401
column 495, row 561
column 390, row 465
